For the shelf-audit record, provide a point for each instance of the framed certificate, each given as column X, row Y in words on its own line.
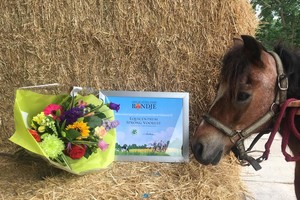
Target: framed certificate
column 154, row 126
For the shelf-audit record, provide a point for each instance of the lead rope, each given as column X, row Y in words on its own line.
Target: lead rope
column 288, row 127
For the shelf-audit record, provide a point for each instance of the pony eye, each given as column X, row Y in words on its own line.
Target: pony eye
column 242, row 96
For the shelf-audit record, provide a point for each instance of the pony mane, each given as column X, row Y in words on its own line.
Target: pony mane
column 290, row 59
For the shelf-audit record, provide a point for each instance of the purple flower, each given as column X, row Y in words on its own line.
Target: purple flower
column 114, row 106
column 110, row 124
column 72, row 115
column 69, row 147
column 106, row 124
column 114, row 123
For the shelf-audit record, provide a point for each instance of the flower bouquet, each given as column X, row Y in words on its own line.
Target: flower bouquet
column 74, row 133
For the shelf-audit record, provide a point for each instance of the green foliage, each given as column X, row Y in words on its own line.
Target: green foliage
column 88, row 152
column 72, row 134
column 93, row 121
column 100, row 115
column 280, row 20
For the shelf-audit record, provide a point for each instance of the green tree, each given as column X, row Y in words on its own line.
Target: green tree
column 279, row 21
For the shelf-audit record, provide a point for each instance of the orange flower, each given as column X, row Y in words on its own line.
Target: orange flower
column 35, row 134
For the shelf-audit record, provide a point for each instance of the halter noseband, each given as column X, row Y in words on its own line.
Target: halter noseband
column 237, row 137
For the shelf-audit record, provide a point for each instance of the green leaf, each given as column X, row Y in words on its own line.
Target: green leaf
column 58, row 127
column 88, row 152
column 36, row 124
column 100, row 115
column 93, row 121
column 72, row 134
column 66, row 102
column 58, row 113
column 63, row 125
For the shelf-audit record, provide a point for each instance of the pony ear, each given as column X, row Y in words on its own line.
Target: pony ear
column 237, row 41
column 252, row 48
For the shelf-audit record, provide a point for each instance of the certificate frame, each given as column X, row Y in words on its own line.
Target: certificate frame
column 149, row 114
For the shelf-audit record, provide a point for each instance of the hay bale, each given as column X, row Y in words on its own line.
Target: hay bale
column 121, row 45
column 123, row 180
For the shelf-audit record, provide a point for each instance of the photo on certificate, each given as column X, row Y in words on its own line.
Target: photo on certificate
column 154, row 126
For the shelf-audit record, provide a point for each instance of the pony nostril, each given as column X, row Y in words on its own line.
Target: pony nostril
column 204, row 157
column 197, row 150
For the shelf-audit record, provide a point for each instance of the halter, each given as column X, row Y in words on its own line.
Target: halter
column 237, row 137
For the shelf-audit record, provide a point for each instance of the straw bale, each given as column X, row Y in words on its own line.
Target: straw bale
column 123, row 180
column 157, row 45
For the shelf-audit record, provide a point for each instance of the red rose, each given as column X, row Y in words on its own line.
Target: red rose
column 76, row 151
column 35, row 134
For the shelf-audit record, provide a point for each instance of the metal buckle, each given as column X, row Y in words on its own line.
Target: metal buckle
column 244, row 163
column 282, row 77
column 237, row 133
column 273, row 107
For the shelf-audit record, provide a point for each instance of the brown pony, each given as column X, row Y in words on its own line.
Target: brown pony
column 253, row 85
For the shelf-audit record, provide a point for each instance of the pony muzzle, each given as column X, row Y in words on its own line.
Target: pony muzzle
column 205, row 156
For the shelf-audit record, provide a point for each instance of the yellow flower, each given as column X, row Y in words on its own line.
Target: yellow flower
column 80, row 126
column 38, row 119
column 42, row 129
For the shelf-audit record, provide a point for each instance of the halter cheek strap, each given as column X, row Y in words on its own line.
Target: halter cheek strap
column 282, row 80
column 237, row 137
